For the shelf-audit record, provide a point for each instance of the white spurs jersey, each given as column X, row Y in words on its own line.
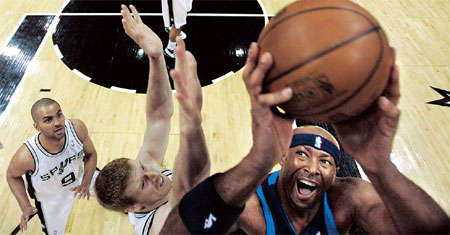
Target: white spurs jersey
column 142, row 221
column 179, row 11
column 55, row 174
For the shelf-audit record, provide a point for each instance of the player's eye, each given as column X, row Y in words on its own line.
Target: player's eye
column 326, row 162
column 301, row 153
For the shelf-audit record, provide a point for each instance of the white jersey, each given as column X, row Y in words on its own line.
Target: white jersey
column 142, row 221
column 55, row 173
column 180, row 9
column 53, row 176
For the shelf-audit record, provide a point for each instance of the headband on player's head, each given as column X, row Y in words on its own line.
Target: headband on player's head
column 317, row 142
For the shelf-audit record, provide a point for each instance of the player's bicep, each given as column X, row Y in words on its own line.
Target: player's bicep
column 156, row 138
column 372, row 214
column 21, row 162
column 83, row 135
column 88, row 147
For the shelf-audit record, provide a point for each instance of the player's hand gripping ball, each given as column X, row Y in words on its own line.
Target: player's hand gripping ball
column 332, row 53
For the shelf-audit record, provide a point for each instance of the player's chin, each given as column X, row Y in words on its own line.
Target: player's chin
column 304, row 196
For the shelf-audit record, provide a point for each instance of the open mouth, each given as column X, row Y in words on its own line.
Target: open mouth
column 306, row 188
column 58, row 131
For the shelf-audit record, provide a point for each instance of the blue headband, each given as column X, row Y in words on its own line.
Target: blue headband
column 317, row 142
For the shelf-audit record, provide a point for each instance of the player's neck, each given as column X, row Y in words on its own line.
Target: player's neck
column 300, row 217
column 52, row 145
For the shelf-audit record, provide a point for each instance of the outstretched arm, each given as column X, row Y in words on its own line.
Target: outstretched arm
column 213, row 205
column 159, row 105
column 271, row 134
column 192, row 164
column 404, row 205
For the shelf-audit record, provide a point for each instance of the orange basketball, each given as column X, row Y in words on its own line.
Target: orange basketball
column 332, row 53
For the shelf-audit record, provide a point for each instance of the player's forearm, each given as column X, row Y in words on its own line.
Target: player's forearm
column 90, row 165
column 190, row 123
column 412, row 209
column 159, row 93
column 17, row 187
column 194, row 156
column 236, row 185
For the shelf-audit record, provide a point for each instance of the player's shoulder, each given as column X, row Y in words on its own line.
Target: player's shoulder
column 23, row 152
column 77, row 123
column 23, row 159
column 349, row 184
column 80, row 128
column 252, row 219
column 351, row 189
column 159, row 218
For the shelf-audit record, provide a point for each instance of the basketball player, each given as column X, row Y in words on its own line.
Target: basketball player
column 305, row 196
column 59, row 163
column 180, row 9
column 142, row 187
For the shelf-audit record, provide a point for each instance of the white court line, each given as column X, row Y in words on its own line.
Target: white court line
column 266, row 18
column 222, row 77
column 19, row 87
column 160, row 14
column 58, row 52
column 81, row 75
column 123, row 89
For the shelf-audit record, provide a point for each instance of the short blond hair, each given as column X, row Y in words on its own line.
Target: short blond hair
column 111, row 183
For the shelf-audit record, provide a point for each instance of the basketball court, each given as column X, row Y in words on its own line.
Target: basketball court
column 77, row 53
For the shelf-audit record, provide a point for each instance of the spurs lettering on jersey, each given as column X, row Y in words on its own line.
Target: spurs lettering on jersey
column 59, row 168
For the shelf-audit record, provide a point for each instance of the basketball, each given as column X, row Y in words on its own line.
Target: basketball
column 332, row 53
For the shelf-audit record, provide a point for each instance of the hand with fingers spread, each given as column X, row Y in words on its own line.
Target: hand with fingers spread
column 267, row 127
column 372, row 133
column 81, row 191
column 26, row 213
column 187, row 85
column 141, row 33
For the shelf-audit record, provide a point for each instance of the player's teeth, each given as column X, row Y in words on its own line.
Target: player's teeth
column 308, row 183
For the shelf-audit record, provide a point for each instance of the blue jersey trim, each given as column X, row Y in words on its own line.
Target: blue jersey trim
column 277, row 221
column 330, row 224
column 270, row 226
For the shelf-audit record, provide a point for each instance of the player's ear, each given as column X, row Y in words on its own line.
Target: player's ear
column 283, row 159
column 133, row 208
column 335, row 173
column 36, row 127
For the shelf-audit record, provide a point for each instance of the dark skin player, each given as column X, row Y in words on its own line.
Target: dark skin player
column 391, row 203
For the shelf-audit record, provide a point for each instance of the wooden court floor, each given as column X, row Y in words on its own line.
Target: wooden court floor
column 419, row 30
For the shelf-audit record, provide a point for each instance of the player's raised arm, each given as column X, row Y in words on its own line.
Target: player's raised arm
column 216, row 203
column 159, row 104
column 192, row 164
column 369, row 138
column 271, row 134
